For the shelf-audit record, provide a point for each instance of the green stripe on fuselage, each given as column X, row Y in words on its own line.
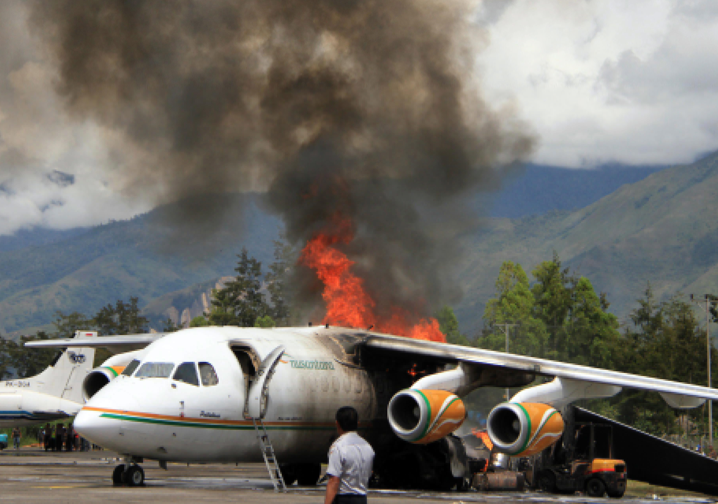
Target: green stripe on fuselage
column 179, row 423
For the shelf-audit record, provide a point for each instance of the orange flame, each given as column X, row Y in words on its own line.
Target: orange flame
column 347, row 302
column 484, row 436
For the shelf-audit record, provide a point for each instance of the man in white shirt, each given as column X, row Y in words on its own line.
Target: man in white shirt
column 350, row 462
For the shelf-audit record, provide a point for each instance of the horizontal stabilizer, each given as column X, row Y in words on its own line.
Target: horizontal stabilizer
column 679, row 401
column 115, row 344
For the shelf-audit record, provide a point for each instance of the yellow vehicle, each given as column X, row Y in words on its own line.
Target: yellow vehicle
column 580, row 470
column 597, row 478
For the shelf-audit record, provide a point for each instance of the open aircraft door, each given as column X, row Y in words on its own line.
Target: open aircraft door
column 257, row 395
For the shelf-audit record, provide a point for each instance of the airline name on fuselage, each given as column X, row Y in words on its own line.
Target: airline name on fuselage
column 209, row 414
column 313, row 364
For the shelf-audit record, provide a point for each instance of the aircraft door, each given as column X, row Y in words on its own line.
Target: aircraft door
column 257, row 396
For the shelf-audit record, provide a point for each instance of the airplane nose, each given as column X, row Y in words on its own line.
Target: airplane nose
column 100, row 431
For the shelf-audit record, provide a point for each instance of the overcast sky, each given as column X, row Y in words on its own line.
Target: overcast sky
column 597, row 81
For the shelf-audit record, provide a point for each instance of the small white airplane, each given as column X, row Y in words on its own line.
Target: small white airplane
column 54, row 394
column 203, row 394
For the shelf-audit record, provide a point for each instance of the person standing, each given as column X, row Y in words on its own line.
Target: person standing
column 16, row 436
column 59, row 437
column 48, row 441
column 350, row 462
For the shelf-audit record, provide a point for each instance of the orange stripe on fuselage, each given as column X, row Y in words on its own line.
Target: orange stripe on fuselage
column 207, row 420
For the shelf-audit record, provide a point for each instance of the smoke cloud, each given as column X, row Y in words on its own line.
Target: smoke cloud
column 369, row 109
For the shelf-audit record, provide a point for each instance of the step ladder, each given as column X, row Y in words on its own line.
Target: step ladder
column 270, row 460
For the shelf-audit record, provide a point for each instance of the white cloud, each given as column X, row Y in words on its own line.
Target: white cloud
column 635, row 82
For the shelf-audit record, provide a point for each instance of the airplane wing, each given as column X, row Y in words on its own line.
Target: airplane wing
column 115, row 344
column 472, row 357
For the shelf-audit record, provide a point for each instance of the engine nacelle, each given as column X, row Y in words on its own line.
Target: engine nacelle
column 98, row 378
column 523, row 429
column 423, row 416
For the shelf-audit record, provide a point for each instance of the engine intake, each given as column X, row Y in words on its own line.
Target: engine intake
column 523, row 429
column 424, row 416
column 98, row 378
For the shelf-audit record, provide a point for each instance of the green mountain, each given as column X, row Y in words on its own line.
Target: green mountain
column 148, row 257
column 662, row 229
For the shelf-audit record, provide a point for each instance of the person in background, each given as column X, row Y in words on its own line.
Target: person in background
column 69, row 438
column 59, row 437
column 350, row 462
column 48, row 442
column 16, row 436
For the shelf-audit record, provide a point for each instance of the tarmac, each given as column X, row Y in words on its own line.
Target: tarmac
column 31, row 475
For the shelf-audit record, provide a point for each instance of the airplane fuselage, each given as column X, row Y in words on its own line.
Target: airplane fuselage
column 168, row 419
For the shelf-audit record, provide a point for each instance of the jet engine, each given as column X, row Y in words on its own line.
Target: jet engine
column 423, row 416
column 523, row 429
column 98, row 378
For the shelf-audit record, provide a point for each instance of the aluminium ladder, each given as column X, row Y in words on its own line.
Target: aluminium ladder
column 270, row 460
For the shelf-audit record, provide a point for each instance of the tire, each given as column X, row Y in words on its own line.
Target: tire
column 134, row 476
column 117, row 475
column 308, row 474
column 595, row 487
column 547, row 482
column 615, row 494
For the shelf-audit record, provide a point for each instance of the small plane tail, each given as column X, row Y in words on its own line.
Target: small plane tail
column 63, row 378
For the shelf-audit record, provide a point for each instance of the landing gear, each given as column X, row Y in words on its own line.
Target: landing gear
column 117, row 475
column 131, row 475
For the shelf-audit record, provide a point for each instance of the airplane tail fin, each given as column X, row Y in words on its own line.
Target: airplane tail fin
column 63, row 378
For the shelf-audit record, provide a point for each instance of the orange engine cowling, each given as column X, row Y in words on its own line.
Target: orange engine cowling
column 423, row 416
column 98, row 378
column 523, row 429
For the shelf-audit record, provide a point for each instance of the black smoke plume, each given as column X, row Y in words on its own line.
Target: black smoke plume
column 368, row 108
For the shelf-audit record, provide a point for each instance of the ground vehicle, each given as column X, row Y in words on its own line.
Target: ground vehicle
column 573, row 466
column 596, row 477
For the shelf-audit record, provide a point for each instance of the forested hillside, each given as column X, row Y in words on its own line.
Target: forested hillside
column 658, row 229
column 146, row 257
column 661, row 230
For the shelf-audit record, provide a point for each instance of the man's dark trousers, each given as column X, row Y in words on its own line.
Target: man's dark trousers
column 350, row 499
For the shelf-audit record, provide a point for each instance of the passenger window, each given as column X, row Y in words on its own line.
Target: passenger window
column 155, row 370
column 186, row 372
column 131, row 368
column 209, row 377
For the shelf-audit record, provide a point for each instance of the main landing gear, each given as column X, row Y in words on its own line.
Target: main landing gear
column 129, row 474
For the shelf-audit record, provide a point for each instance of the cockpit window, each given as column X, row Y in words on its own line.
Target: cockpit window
column 209, row 377
column 155, row 370
column 131, row 368
column 187, row 372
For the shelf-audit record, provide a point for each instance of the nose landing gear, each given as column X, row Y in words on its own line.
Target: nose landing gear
column 128, row 474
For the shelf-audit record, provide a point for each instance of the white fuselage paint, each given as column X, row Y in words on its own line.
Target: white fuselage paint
column 165, row 419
